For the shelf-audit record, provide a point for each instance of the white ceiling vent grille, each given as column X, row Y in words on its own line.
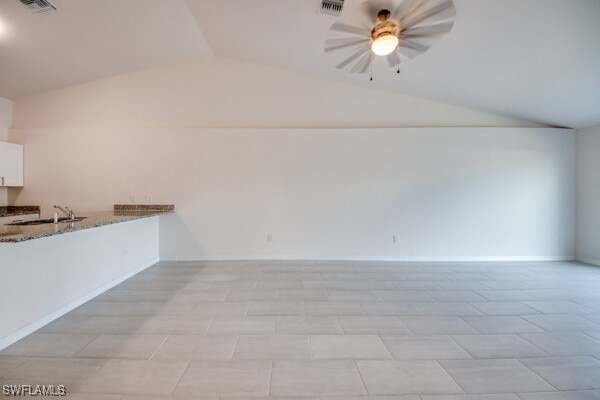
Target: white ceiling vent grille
column 39, row 6
column 332, row 7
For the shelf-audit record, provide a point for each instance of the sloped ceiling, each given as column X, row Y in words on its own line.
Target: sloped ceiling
column 536, row 60
column 91, row 39
column 533, row 60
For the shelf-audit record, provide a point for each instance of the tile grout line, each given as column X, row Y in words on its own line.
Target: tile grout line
column 536, row 374
column 89, row 378
column 25, row 359
column 210, row 325
column 590, row 336
column 159, row 347
column 271, row 378
column 386, row 347
column 450, row 376
column 520, row 335
column 361, row 377
column 74, row 355
column 187, row 366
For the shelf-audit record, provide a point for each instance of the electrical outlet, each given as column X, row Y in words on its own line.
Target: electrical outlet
column 561, row 239
column 125, row 251
column 395, row 239
column 269, row 237
column 149, row 198
column 132, row 199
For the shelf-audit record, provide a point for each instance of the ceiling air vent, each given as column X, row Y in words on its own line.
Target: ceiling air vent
column 332, row 7
column 39, row 6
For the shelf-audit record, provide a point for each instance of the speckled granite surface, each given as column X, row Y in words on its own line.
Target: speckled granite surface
column 9, row 211
column 20, row 233
column 144, row 207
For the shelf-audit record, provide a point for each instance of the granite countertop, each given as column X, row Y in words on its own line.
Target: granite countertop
column 121, row 213
column 10, row 211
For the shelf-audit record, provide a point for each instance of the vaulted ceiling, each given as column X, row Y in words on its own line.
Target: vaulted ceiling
column 88, row 39
column 535, row 60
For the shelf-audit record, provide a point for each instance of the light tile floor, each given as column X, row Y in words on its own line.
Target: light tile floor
column 328, row 331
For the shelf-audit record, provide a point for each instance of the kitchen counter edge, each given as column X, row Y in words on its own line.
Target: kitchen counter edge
column 18, row 234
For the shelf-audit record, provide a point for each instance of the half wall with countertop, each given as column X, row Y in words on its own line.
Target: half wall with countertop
column 48, row 276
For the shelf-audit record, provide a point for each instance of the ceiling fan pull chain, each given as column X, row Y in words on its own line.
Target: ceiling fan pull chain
column 371, row 67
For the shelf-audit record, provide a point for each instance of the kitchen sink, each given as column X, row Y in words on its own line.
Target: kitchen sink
column 46, row 221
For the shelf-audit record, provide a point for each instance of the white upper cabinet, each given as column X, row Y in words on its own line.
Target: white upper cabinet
column 11, row 164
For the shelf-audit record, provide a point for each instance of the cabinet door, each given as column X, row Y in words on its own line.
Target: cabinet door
column 11, row 164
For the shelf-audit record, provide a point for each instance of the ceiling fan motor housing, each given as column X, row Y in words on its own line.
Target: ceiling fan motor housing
column 385, row 28
column 384, row 15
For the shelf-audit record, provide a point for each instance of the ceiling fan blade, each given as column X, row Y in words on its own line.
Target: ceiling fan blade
column 408, row 53
column 406, row 8
column 426, row 14
column 421, row 23
column 347, row 28
column 446, row 15
column 354, row 56
column 415, row 43
column 393, row 59
column 411, row 48
column 337, row 44
column 428, row 30
column 363, row 64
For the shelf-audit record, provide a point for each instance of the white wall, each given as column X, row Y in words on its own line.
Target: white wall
column 588, row 194
column 244, row 151
column 5, row 123
column 5, row 117
column 224, row 93
column 446, row 192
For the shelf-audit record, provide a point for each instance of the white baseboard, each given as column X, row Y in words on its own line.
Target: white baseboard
column 586, row 260
column 45, row 320
column 368, row 258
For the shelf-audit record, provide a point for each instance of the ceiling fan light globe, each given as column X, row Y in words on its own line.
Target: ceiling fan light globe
column 384, row 45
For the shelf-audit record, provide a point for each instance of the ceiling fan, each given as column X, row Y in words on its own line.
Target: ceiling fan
column 395, row 29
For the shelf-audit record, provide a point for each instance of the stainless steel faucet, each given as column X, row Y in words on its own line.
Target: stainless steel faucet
column 67, row 211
